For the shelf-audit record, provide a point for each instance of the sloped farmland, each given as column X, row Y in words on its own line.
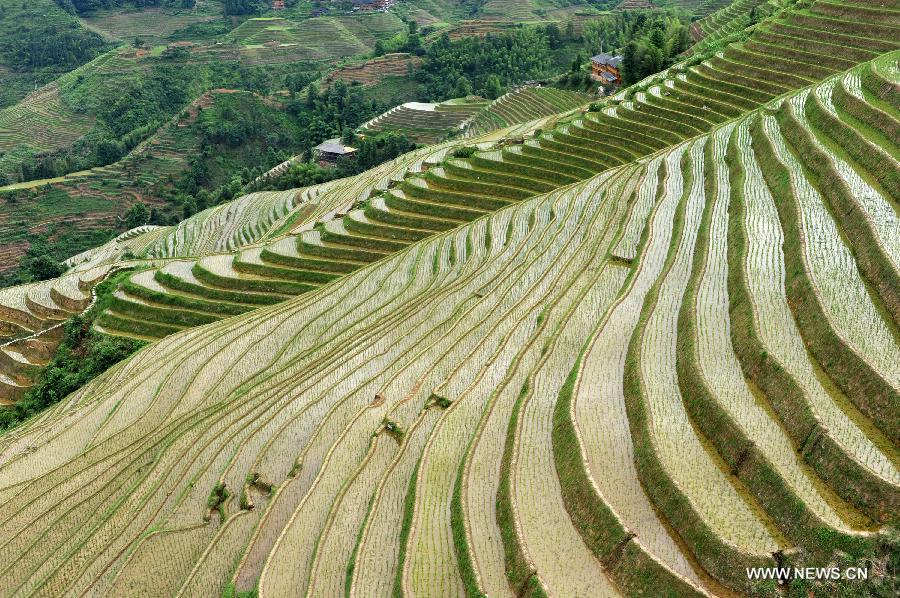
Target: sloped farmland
column 443, row 421
column 507, row 371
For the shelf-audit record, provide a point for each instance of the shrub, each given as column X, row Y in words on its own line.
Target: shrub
column 464, row 152
column 82, row 356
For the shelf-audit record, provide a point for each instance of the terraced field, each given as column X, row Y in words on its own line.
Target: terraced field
column 31, row 318
column 522, row 105
column 320, row 38
column 153, row 24
column 723, row 18
column 478, row 28
column 374, row 70
column 633, row 353
column 426, row 123
column 40, row 122
column 456, row 188
column 473, row 117
column 488, row 361
column 43, row 121
column 330, row 234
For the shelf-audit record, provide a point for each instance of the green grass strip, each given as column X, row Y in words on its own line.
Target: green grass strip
column 173, row 282
column 741, row 454
column 871, row 394
column 850, row 480
column 409, row 507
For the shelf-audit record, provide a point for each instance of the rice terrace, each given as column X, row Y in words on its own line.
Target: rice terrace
column 489, row 298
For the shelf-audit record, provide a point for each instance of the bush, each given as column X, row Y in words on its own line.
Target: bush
column 42, row 267
column 82, row 355
column 137, row 215
column 464, row 152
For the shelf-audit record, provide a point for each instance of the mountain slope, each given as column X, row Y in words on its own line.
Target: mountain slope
column 381, row 402
column 677, row 105
column 39, row 40
column 633, row 354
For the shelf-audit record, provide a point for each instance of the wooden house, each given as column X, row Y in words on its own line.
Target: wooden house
column 605, row 69
column 331, row 151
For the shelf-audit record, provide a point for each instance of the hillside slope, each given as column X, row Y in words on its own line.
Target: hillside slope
column 39, row 41
column 376, row 408
column 669, row 108
column 630, row 350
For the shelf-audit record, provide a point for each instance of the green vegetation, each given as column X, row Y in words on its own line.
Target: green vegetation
column 372, row 150
column 245, row 7
column 38, row 41
column 484, row 66
column 622, row 345
column 129, row 107
column 83, row 355
column 654, row 43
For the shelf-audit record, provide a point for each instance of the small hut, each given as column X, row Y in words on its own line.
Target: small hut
column 331, row 151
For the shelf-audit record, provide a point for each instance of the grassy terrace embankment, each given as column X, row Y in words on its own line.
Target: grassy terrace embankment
column 609, row 360
column 457, row 187
column 356, row 437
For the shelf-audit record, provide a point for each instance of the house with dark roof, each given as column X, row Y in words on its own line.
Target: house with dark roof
column 331, row 151
column 605, row 68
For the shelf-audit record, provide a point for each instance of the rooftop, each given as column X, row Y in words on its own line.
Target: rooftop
column 607, row 59
column 335, row 146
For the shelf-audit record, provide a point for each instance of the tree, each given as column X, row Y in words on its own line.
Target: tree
column 338, row 94
column 492, row 87
column 137, row 215
column 376, row 149
column 681, row 41
column 462, row 88
column 658, row 38
column 176, row 53
column 576, row 64
column 631, row 68
column 554, row 36
column 312, row 96
column 189, row 208
column 66, row 5
column 41, row 267
column 109, row 150
column 653, row 62
column 244, row 7
column 413, row 44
